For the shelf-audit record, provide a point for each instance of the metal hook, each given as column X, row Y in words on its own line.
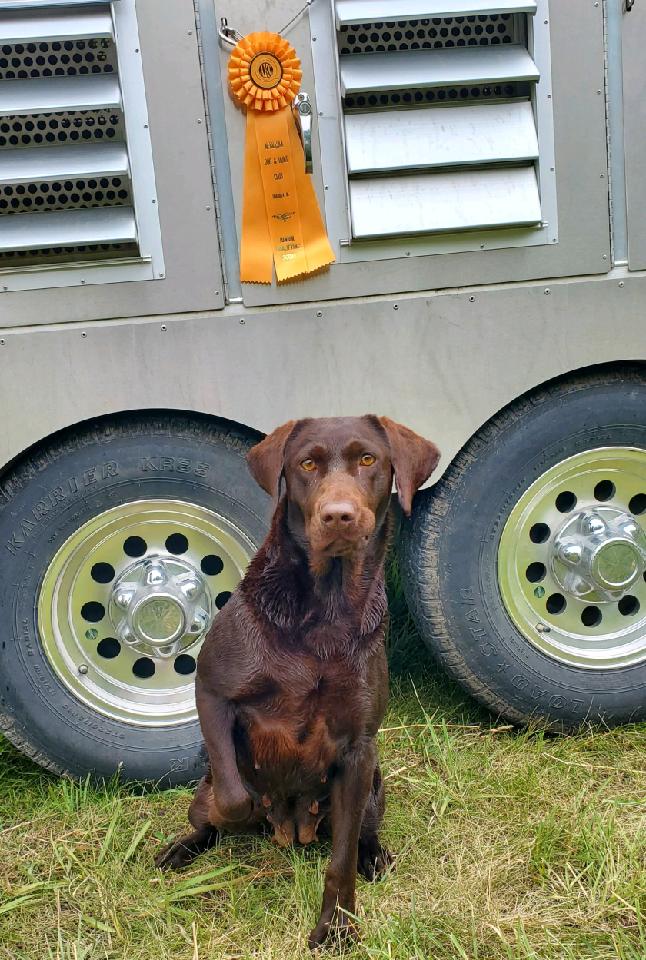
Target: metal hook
column 302, row 109
column 227, row 34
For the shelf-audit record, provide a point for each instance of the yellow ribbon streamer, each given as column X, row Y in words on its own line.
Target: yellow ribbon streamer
column 281, row 220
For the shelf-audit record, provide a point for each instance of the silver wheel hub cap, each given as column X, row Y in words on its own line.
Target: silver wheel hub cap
column 598, row 554
column 160, row 606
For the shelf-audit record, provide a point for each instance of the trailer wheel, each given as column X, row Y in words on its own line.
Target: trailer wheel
column 524, row 567
column 119, row 543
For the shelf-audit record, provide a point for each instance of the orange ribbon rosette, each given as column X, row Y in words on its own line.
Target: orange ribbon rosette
column 281, row 220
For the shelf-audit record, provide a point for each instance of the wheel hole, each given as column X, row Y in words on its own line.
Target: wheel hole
column 177, row 543
column 185, row 664
column 565, row 501
column 535, row 572
column 555, row 603
column 604, row 490
column 212, row 565
column 93, row 612
column 539, row 533
column 109, row 648
column 102, row 573
column 637, row 504
column 591, row 616
column 135, row 547
column 222, row 599
column 628, row 606
column 144, row 668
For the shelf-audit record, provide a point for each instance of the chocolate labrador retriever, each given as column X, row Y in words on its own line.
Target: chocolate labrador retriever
column 292, row 679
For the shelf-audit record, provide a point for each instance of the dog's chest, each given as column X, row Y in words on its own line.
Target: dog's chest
column 297, row 728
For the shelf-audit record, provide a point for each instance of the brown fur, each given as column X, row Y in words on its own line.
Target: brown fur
column 292, row 679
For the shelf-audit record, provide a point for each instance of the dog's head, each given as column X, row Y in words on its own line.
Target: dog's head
column 338, row 476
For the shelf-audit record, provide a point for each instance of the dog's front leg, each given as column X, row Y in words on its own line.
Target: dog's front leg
column 231, row 801
column 348, row 795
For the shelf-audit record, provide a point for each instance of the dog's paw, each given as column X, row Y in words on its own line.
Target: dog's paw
column 174, row 856
column 340, row 932
column 374, row 861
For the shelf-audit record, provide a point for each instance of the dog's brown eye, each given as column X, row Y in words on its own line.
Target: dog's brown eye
column 367, row 460
column 308, row 465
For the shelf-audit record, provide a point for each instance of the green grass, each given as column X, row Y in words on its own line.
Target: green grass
column 510, row 846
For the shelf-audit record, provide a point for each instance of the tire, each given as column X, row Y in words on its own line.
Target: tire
column 66, row 508
column 465, row 556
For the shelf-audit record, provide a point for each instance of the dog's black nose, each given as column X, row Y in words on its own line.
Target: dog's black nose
column 340, row 513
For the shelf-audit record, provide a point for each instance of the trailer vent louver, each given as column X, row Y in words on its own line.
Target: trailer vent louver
column 439, row 125
column 72, row 162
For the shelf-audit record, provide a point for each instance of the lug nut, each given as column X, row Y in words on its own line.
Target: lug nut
column 595, row 525
column 155, row 575
column 570, row 553
column 190, row 589
column 123, row 598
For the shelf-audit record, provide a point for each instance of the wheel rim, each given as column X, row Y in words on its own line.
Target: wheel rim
column 127, row 600
column 572, row 560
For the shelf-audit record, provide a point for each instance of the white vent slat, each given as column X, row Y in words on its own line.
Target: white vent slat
column 349, row 12
column 436, row 68
column 440, row 137
column 65, row 25
column 73, row 228
column 59, row 94
column 444, row 202
column 40, row 4
column 51, row 163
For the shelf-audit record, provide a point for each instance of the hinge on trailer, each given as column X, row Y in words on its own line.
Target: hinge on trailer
column 209, row 137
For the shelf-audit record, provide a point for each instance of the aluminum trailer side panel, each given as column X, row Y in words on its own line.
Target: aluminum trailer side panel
column 442, row 363
column 634, row 91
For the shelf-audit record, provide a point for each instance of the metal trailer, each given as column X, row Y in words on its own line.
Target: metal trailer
column 479, row 165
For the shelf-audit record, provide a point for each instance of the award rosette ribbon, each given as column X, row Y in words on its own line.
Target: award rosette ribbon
column 281, row 220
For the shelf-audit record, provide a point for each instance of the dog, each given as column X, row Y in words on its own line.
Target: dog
column 292, row 679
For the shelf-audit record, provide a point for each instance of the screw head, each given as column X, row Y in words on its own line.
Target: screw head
column 82, row 669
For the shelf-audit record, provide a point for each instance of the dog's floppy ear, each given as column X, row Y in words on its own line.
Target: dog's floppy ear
column 266, row 458
column 414, row 459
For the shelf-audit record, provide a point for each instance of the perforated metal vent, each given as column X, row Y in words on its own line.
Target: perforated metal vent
column 15, row 259
column 436, row 98
column 43, row 129
column 427, row 34
column 68, row 58
column 419, row 98
column 68, row 155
